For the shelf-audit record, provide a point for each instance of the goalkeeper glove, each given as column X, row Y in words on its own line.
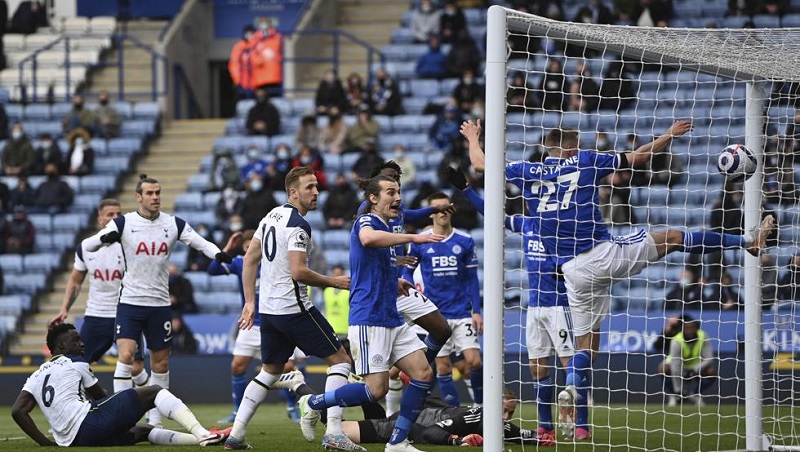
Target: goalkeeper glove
column 223, row 257
column 456, row 178
column 111, row 237
column 472, row 440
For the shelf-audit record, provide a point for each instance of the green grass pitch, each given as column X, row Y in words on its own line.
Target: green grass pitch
column 618, row 427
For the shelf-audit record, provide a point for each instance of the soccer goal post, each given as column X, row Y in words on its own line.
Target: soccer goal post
column 620, row 86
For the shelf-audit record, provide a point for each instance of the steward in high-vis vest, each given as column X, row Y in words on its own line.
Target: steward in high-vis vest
column 691, row 360
column 337, row 306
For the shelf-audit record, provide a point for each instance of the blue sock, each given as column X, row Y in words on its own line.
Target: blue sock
column 448, row 388
column 476, row 379
column 581, row 407
column 238, row 385
column 433, row 348
column 289, row 397
column 708, row 242
column 705, row 383
column 410, row 406
column 543, row 394
column 577, row 375
column 352, row 394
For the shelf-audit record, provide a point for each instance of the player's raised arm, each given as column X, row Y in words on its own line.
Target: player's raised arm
column 74, row 284
column 21, row 412
column 381, row 239
column 108, row 235
column 191, row 238
column 472, row 132
column 645, row 152
column 249, row 270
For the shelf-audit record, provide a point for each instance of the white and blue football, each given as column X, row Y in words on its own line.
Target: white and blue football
column 737, row 162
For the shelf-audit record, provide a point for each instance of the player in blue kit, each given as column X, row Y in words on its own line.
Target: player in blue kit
column 548, row 323
column 450, row 275
column 378, row 336
column 561, row 193
column 248, row 342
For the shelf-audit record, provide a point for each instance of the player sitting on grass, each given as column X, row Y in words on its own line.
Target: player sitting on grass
column 86, row 417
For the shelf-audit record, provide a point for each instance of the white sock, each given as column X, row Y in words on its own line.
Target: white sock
column 337, row 377
column 468, row 382
column 172, row 407
column 393, row 397
column 163, row 437
column 140, row 379
column 122, row 377
column 254, row 394
column 154, row 416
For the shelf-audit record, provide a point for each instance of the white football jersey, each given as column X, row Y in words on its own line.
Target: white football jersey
column 281, row 231
column 146, row 246
column 59, row 387
column 104, row 268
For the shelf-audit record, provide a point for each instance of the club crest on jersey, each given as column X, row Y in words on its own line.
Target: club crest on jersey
column 377, row 359
column 456, row 249
column 152, row 248
column 107, row 275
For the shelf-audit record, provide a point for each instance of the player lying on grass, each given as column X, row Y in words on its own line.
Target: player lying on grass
column 439, row 423
column 86, row 417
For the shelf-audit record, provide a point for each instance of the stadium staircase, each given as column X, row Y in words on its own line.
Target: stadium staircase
column 372, row 21
column 137, row 63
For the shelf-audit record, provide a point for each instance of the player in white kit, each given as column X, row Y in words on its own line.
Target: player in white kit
column 147, row 237
column 104, row 268
column 80, row 414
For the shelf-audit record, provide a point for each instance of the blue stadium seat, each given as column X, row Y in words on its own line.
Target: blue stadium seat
column 395, row 52
column 477, row 236
column 767, row 21
column 112, row 165
column 124, row 146
column 84, row 203
column 336, row 239
column 283, row 105
column 419, row 159
column 791, row 20
column 42, row 222
column 316, row 220
column 338, row 256
column 40, row 262
column 124, row 108
column 237, row 126
column 28, row 283
column 512, row 258
column 198, row 217
column 244, row 106
column 405, row 123
column 137, row 128
column 60, row 109
column 217, row 303
column 14, row 112
column 303, row 106
column 69, row 222
column 287, row 139
column 224, row 283
column 402, row 36
column 37, row 112
column 415, row 105
column 52, row 127
column 145, row 110
column 11, row 305
column 198, row 182
column 433, row 159
column 97, row 183
column 11, row 263
column 210, row 199
column 424, row 88
column 192, row 200
column 262, row 142
column 199, row 280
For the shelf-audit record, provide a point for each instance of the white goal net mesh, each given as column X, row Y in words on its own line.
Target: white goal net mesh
column 620, row 87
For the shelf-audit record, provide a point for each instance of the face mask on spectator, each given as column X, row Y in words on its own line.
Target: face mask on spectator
column 78, row 105
column 247, row 36
column 79, row 141
column 450, row 11
column 16, row 134
column 236, row 227
column 282, row 154
column 256, row 185
column 602, row 144
column 252, row 154
column 46, row 144
column 425, row 8
column 306, row 159
column 468, row 80
column 330, row 78
column 230, row 193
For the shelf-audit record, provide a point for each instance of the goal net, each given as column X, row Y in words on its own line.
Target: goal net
column 620, row 87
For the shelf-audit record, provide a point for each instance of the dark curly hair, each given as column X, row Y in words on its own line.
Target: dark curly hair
column 55, row 333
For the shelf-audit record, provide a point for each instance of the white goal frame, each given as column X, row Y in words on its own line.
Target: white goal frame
column 707, row 56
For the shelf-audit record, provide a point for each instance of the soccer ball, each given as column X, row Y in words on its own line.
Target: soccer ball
column 737, row 162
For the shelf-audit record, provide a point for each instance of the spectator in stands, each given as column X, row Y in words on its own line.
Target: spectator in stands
column 457, row 158
column 5, row 196
column 196, row 260
column 181, row 292
column 523, row 45
column 183, row 340
column 78, row 116
column 279, row 167
column 263, row 118
column 80, row 159
column 108, row 119
column 256, row 163
column 601, row 142
column 224, row 171
column 330, row 93
column 369, row 159
column 365, row 128
column 789, row 285
column 28, row 18
column 267, row 58
column 20, row 235
column 726, row 294
column 258, row 201
column 425, row 21
column 769, row 280
column 468, row 91
column 47, row 152
column 620, row 211
column 753, row 7
column 583, row 90
column 616, row 89
column 230, row 203
column 519, row 96
column 665, row 168
column 652, row 13
column 464, row 55
column 595, row 12
column 23, row 194
column 687, row 293
column 385, row 95
column 340, row 207
column 308, row 133
column 232, row 225
column 446, row 128
column 433, row 63
column 240, row 63
column 407, row 167
column 553, row 87
column 356, row 92
column 53, row 195
column 18, row 155
column 307, row 156
column 333, row 135
column 452, row 21
column 3, row 114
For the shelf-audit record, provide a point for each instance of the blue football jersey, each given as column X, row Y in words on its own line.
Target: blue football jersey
column 544, row 286
column 448, row 268
column 563, row 195
column 373, row 278
column 216, row 268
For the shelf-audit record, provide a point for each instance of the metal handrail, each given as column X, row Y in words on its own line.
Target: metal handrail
column 32, row 57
